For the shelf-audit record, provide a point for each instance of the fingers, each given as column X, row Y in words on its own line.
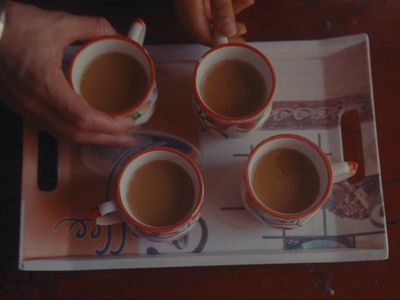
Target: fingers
column 77, row 111
column 240, row 5
column 83, row 138
column 223, row 17
column 84, row 28
column 193, row 16
column 76, row 136
column 241, row 29
column 201, row 18
column 46, row 119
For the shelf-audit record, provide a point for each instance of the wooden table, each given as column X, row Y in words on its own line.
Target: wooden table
column 266, row 21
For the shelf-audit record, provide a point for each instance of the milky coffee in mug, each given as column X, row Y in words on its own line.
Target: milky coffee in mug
column 286, row 181
column 115, row 74
column 233, row 88
column 161, row 193
column 114, row 82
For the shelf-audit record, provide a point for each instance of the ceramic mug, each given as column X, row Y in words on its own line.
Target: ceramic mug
column 116, row 210
column 142, row 110
column 328, row 174
column 226, row 126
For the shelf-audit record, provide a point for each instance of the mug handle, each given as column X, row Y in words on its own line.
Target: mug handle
column 344, row 170
column 107, row 214
column 137, row 31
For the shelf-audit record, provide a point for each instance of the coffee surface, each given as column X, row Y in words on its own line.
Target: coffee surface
column 286, row 181
column 114, row 82
column 161, row 193
column 233, row 88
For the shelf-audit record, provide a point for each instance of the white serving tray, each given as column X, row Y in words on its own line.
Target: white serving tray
column 316, row 82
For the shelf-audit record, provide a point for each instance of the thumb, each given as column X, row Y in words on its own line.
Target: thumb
column 84, row 28
column 223, row 17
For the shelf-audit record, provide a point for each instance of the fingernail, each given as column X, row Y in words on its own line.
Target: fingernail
column 227, row 27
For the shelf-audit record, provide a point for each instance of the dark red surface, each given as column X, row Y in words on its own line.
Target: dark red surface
column 266, row 21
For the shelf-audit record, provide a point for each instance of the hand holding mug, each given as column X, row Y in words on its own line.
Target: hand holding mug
column 115, row 74
column 33, row 84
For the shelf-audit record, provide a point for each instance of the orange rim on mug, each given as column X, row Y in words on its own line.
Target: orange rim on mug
column 138, row 46
column 213, row 113
column 309, row 211
column 198, row 203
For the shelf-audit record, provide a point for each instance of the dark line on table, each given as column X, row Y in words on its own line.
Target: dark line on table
column 364, row 233
column 283, row 239
column 323, row 236
column 391, row 181
column 243, row 154
column 328, row 154
column 240, row 155
column 353, row 239
column 232, row 208
column 319, row 139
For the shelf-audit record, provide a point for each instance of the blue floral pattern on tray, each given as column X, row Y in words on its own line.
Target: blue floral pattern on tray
column 85, row 227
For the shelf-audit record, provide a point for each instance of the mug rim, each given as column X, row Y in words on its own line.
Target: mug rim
column 133, row 43
column 217, row 115
column 198, row 203
column 310, row 210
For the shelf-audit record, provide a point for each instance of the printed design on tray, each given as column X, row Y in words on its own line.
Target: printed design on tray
column 317, row 113
column 298, row 243
column 79, row 224
column 186, row 242
column 165, row 236
column 373, row 239
column 101, row 159
column 86, row 228
column 105, row 161
column 358, row 201
column 82, row 228
column 109, row 241
column 153, row 236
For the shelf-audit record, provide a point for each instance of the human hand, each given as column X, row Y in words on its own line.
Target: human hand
column 204, row 18
column 33, row 84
